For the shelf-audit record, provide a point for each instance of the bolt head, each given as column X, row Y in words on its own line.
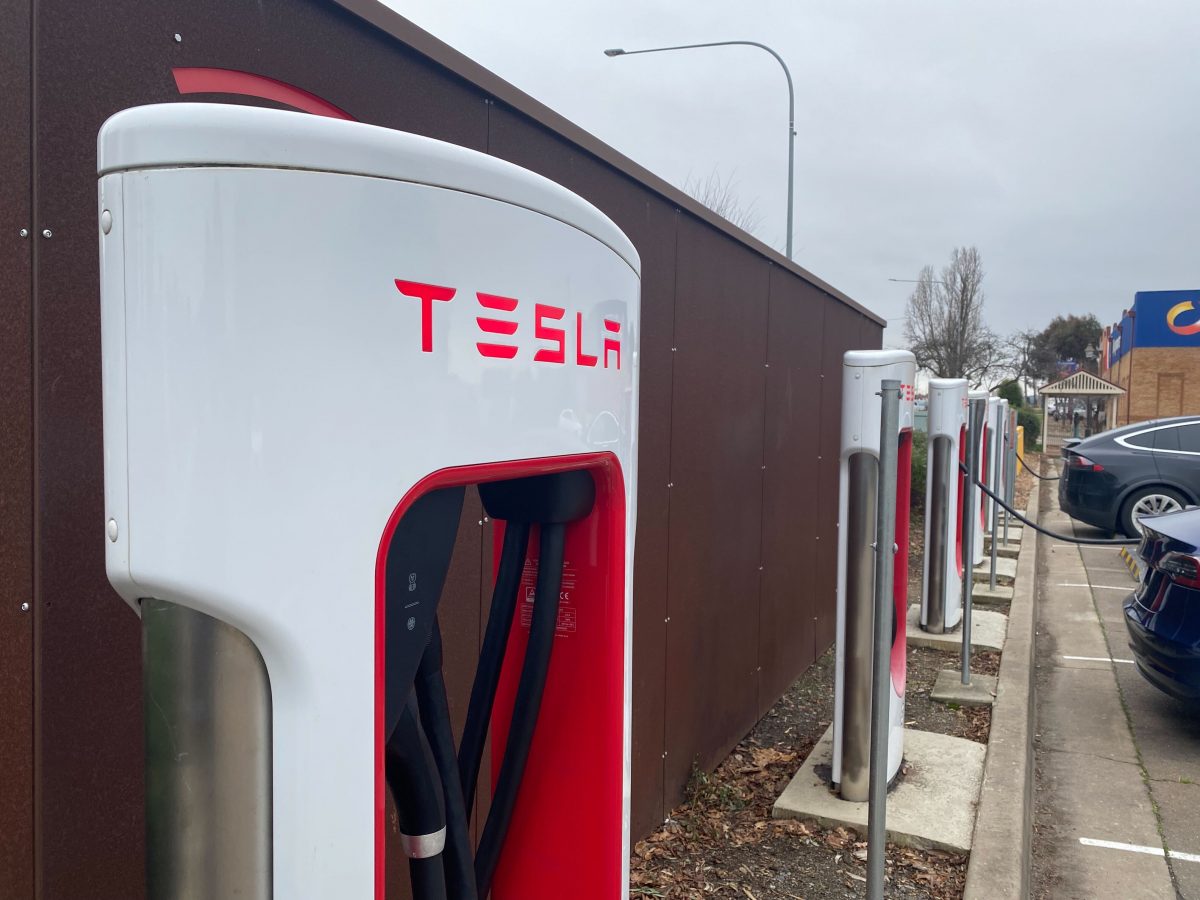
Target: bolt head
column 24, row 232
column 47, row 233
column 178, row 38
column 25, row 607
column 111, row 530
column 106, row 221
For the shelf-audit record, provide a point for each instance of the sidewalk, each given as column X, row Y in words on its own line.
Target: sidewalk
column 1092, row 798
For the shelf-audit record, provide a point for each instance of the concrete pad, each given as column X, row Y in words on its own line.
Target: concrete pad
column 1006, row 570
column 949, row 689
column 982, row 595
column 931, row 806
column 1012, row 551
column 1015, row 533
column 987, row 631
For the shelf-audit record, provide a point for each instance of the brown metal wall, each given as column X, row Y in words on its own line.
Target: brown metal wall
column 16, row 459
column 740, row 363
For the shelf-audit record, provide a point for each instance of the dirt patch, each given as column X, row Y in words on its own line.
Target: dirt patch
column 925, row 714
column 722, row 842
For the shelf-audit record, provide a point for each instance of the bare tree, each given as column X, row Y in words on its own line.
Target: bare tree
column 720, row 195
column 945, row 327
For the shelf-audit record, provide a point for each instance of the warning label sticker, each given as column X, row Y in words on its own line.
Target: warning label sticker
column 568, row 620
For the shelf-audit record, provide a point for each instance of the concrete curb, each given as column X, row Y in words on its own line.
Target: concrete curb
column 1001, row 853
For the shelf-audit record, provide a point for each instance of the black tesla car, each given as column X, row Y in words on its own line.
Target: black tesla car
column 1112, row 479
column 1163, row 615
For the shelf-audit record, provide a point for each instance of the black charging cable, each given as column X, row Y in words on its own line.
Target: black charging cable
column 1035, row 474
column 491, row 656
column 1071, row 539
column 528, row 702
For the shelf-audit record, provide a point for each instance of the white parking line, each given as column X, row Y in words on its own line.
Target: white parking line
column 1099, row 659
column 1138, row 848
column 1099, row 587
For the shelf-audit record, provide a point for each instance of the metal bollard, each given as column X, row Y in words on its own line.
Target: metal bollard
column 885, row 550
column 997, row 453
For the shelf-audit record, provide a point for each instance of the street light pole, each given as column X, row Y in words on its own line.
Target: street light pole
column 614, row 51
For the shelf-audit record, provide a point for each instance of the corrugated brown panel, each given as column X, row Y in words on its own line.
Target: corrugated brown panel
column 839, row 334
column 789, row 602
column 16, row 461
column 716, row 499
column 650, row 224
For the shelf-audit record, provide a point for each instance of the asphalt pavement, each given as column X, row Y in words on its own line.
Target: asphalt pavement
column 1118, row 761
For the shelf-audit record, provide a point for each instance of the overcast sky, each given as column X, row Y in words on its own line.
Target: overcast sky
column 1061, row 138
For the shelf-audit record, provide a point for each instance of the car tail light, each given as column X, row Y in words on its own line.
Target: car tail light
column 1181, row 568
column 1078, row 461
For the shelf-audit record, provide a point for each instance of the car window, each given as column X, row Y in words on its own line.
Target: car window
column 1144, row 441
column 1165, row 438
column 1189, row 437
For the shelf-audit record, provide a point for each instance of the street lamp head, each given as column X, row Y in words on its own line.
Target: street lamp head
column 614, row 51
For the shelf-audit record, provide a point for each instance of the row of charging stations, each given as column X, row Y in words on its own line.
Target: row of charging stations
column 315, row 334
column 946, row 558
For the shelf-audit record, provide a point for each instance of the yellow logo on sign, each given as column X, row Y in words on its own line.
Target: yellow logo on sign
column 1175, row 312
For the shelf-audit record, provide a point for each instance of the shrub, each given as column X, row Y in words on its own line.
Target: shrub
column 1031, row 421
column 920, row 462
column 1011, row 391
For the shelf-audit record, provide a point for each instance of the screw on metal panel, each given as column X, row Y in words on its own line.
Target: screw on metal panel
column 664, row 754
column 481, row 521
column 486, row 519
column 24, row 232
column 25, row 607
column 112, row 530
column 670, row 484
column 672, row 349
column 760, row 568
column 178, row 38
column 106, row 221
column 47, row 233
column 764, row 468
column 766, row 365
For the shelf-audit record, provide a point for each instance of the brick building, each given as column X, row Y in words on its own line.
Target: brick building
column 1154, row 354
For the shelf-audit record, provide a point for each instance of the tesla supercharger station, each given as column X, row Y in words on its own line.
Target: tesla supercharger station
column 315, row 334
column 993, row 456
column 981, row 522
column 941, row 598
column 858, row 478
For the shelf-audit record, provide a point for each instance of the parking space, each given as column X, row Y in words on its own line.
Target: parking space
column 1166, row 732
column 1134, row 750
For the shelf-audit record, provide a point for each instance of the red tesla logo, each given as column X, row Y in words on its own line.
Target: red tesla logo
column 498, row 322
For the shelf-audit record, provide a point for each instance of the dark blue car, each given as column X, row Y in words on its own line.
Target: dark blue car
column 1163, row 614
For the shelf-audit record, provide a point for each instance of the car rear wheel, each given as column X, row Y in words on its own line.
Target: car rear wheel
column 1151, row 501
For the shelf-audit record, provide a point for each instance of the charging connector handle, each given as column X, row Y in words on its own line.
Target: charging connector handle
column 416, row 789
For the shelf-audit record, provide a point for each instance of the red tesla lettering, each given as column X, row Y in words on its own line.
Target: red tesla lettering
column 426, row 293
column 581, row 358
column 496, row 326
column 546, row 333
column 612, row 343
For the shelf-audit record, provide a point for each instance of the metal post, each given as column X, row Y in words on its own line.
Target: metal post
column 885, row 550
column 791, row 193
column 975, row 420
